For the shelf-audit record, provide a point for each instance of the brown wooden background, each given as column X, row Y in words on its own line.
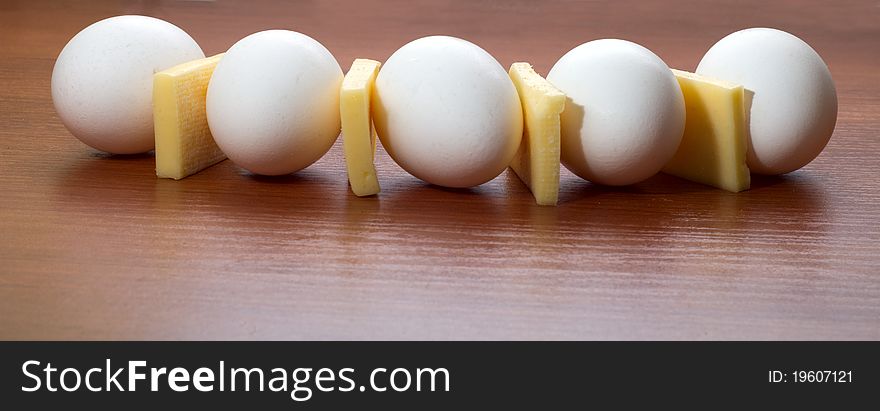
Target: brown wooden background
column 95, row 247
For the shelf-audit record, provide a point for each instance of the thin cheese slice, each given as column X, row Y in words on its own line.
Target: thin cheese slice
column 713, row 149
column 358, row 134
column 184, row 145
column 537, row 160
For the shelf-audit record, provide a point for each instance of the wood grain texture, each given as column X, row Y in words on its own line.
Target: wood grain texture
column 95, row 247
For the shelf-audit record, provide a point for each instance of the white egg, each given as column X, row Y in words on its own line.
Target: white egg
column 273, row 102
column 102, row 83
column 624, row 117
column 793, row 106
column 447, row 112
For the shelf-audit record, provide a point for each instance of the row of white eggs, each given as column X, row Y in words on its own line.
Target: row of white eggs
column 444, row 109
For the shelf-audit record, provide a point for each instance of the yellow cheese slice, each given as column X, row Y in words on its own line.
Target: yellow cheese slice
column 537, row 160
column 713, row 149
column 184, row 145
column 358, row 135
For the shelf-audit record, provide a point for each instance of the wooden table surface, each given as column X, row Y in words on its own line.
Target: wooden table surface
column 93, row 246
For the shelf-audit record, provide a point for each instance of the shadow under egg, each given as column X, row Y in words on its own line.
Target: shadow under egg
column 121, row 157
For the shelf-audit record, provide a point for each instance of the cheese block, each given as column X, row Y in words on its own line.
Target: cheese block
column 713, row 149
column 537, row 160
column 358, row 134
column 184, row 145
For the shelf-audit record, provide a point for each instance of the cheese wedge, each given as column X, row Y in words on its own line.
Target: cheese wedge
column 536, row 162
column 358, row 134
column 184, row 145
column 713, row 149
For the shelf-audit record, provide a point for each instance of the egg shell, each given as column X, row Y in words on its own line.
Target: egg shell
column 273, row 102
column 102, row 82
column 625, row 115
column 790, row 95
column 447, row 112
